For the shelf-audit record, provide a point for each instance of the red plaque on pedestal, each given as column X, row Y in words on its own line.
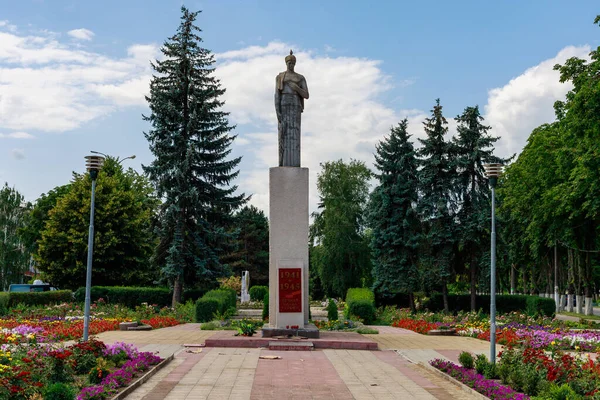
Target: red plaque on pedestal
column 290, row 290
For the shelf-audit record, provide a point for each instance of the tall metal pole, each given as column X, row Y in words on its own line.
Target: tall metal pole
column 556, row 295
column 88, row 276
column 493, row 277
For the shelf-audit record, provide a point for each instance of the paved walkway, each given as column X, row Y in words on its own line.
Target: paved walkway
column 232, row 373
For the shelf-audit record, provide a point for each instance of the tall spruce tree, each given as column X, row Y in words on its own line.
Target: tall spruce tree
column 436, row 201
column 192, row 171
column 472, row 148
column 393, row 216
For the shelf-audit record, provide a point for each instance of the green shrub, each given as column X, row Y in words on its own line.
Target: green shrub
column 257, row 293
column 360, row 302
column 4, row 303
column 226, row 298
column 505, row 303
column 127, row 296
column 466, row 359
column 481, row 364
column 59, row 391
column 192, row 294
column 562, row 392
column 540, row 306
column 209, row 326
column 360, row 294
column 367, row 331
column 332, row 311
column 265, row 313
column 206, row 308
column 39, row 298
column 363, row 309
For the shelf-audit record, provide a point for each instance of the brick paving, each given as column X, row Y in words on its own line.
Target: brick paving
column 239, row 373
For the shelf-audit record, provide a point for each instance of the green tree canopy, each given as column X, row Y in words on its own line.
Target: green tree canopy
column 250, row 245
column 340, row 252
column 123, row 241
column 192, row 170
column 14, row 257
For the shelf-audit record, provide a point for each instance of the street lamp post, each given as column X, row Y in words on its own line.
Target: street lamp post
column 119, row 161
column 493, row 171
column 93, row 165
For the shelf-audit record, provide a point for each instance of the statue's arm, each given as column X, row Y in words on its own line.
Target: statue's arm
column 301, row 88
column 277, row 99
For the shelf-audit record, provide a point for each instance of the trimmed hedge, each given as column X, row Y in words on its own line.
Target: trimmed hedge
column 505, row 303
column 4, row 302
column 257, row 293
column 38, row 298
column 206, row 309
column 128, row 296
column 265, row 312
column 360, row 302
column 213, row 302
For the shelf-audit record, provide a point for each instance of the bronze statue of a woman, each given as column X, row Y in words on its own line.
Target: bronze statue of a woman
column 290, row 92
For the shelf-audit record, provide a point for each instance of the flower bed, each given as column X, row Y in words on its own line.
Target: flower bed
column 477, row 382
column 85, row 370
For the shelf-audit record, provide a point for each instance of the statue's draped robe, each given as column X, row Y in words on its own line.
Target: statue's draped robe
column 291, row 106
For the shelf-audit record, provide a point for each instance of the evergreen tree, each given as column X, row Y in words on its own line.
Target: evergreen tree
column 393, row 216
column 437, row 201
column 250, row 245
column 472, row 148
column 190, row 139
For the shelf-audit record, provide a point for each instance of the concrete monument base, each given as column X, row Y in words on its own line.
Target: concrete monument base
column 308, row 331
column 288, row 248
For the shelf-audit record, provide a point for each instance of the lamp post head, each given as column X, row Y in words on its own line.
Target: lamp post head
column 492, row 172
column 94, row 164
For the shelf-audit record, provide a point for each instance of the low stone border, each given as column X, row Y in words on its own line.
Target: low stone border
column 450, row 379
column 136, row 384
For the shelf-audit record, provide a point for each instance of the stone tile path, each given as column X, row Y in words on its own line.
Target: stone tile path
column 239, row 373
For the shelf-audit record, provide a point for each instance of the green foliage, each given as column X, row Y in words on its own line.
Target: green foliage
column 206, row 308
column 367, row 331
column 532, row 305
column 257, row 293
column 59, row 391
column 392, row 215
column 362, row 309
column 265, row 312
column 218, row 302
column 4, row 302
column 436, row 200
column 123, row 242
column 85, row 362
column 210, row 326
column 481, row 364
column 340, row 249
column 466, row 359
column 14, row 257
column 129, row 296
column 360, row 294
column 246, row 328
column 39, row 298
column 332, row 311
column 559, row 392
column 191, row 142
column 250, row 247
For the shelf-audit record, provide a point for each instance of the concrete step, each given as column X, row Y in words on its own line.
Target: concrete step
column 291, row 346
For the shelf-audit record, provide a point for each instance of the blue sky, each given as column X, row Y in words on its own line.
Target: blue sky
column 73, row 74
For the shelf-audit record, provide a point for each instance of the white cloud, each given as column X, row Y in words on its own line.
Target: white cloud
column 18, row 154
column 8, row 26
column 526, row 102
column 81, row 34
column 16, row 135
column 51, row 86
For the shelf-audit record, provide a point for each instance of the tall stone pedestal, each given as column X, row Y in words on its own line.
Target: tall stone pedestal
column 288, row 251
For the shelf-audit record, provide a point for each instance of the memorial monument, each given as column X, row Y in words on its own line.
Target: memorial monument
column 288, row 214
